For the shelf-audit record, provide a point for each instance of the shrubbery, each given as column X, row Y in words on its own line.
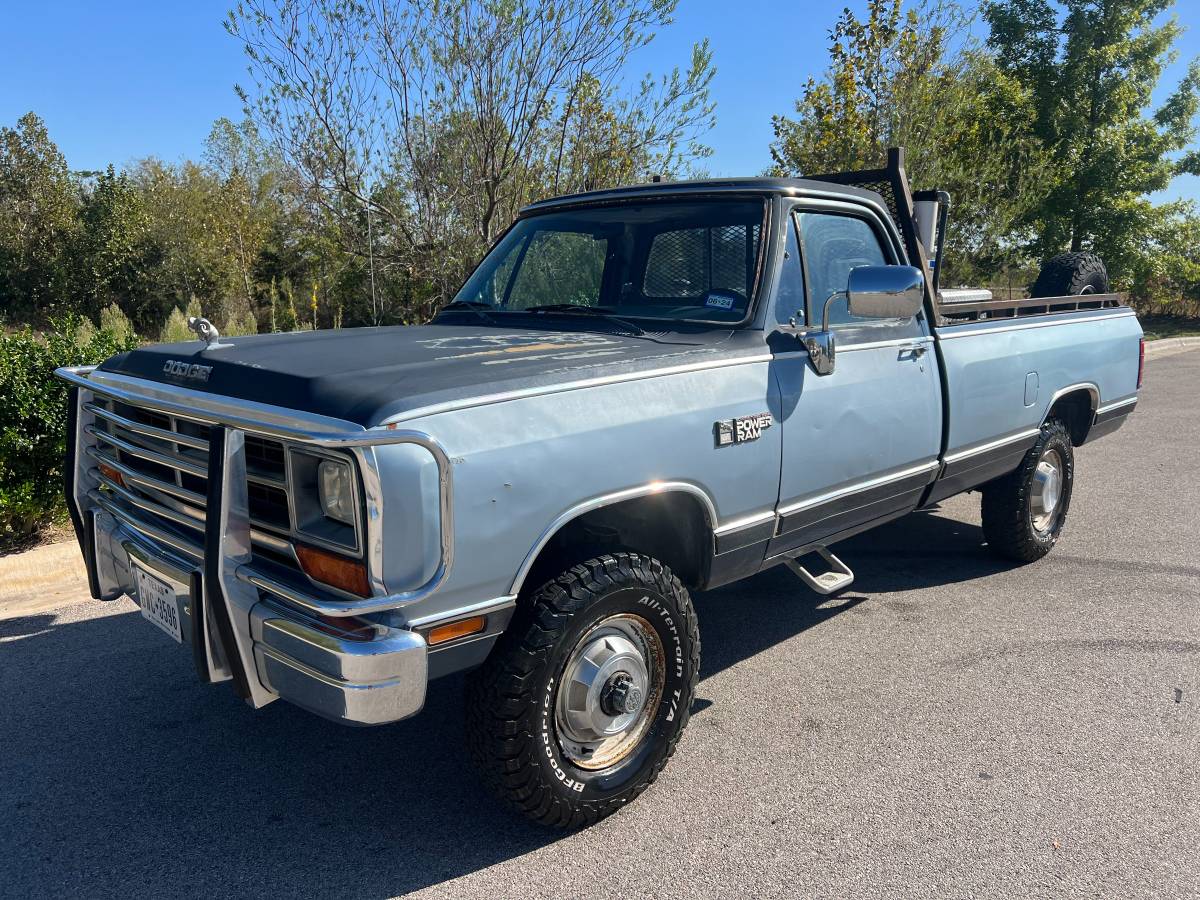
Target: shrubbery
column 33, row 417
column 33, row 413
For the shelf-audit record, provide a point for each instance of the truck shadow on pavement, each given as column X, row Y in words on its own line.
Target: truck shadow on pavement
column 919, row 551
column 122, row 775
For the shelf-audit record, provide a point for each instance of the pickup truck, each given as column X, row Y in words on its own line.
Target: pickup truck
column 640, row 393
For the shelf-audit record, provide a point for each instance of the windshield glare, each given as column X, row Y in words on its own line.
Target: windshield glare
column 661, row 260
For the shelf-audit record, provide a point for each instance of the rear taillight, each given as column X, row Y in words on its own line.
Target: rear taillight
column 1141, row 360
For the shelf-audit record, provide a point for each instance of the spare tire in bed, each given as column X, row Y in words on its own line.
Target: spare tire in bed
column 1069, row 274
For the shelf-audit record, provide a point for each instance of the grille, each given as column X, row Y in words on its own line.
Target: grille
column 163, row 462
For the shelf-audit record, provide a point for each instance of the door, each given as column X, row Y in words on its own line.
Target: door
column 860, row 445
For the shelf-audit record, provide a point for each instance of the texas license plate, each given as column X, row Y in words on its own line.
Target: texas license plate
column 158, row 603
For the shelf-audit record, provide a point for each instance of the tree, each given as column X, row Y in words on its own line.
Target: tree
column 244, row 205
column 915, row 79
column 1166, row 277
column 431, row 124
column 179, row 200
column 1090, row 67
column 38, row 206
column 115, row 257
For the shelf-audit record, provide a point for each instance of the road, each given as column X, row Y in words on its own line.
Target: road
column 952, row 726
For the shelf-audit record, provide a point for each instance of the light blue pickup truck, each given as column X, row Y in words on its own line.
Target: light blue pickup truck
column 639, row 393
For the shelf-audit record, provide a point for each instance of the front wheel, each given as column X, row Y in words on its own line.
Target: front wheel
column 1025, row 511
column 586, row 694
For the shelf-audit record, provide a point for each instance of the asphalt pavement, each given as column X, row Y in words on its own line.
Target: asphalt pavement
column 952, row 726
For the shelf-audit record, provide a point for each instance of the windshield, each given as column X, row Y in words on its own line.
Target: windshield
column 661, row 260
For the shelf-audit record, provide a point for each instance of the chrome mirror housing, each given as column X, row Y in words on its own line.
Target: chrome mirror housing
column 885, row 292
column 875, row 292
column 822, row 348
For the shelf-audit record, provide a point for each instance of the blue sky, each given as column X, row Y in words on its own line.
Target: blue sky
column 120, row 80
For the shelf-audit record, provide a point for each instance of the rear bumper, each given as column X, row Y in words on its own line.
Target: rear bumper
column 368, row 678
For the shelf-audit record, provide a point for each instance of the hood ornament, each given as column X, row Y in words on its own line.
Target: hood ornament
column 207, row 332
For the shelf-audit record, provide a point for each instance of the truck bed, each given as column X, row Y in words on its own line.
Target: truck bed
column 1013, row 361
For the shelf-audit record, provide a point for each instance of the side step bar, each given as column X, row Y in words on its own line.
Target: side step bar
column 839, row 575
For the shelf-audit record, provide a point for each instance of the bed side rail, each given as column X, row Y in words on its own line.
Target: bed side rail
column 959, row 313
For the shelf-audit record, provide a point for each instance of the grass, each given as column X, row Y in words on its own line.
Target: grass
column 1158, row 327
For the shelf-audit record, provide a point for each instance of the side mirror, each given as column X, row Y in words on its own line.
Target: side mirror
column 875, row 292
column 885, row 292
column 822, row 351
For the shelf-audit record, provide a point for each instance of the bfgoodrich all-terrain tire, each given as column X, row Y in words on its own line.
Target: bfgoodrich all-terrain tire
column 1070, row 274
column 586, row 694
column 1024, row 512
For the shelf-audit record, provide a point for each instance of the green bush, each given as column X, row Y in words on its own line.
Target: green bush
column 175, row 329
column 116, row 322
column 33, row 418
column 240, row 323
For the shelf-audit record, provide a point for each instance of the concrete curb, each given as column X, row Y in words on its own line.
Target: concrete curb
column 40, row 579
column 1168, row 346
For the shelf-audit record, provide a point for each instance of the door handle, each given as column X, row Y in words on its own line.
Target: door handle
column 917, row 350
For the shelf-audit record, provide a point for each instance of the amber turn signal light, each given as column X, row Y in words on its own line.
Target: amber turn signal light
column 333, row 570
column 461, row 628
column 111, row 474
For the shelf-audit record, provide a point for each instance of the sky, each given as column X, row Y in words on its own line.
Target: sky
column 121, row 80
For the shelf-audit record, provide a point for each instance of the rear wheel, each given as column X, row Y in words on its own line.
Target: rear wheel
column 1071, row 274
column 1024, row 512
column 583, row 700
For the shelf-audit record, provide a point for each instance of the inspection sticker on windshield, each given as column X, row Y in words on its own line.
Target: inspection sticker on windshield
column 719, row 301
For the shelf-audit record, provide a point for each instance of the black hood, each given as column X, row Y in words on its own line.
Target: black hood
column 366, row 375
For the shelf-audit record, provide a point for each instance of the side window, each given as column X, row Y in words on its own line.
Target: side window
column 789, row 299
column 833, row 245
column 559, row 267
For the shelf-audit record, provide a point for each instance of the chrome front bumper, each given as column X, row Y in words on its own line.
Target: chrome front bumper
column 304, row 660
column 270, row 639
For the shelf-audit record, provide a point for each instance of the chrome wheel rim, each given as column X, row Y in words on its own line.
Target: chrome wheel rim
column 609, row 692
column 1045, row 499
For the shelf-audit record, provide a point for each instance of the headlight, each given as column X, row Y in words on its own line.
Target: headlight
column 335, row 487
column 326, row 499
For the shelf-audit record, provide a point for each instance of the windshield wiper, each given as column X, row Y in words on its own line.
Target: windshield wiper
column 475, row 306
column 601, row 311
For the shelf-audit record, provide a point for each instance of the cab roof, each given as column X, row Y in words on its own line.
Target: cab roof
column 707, row 186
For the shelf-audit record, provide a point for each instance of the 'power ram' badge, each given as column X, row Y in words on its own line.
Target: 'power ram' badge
column 740, row 430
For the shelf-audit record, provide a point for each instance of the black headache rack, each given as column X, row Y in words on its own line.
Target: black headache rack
column 891, row 183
